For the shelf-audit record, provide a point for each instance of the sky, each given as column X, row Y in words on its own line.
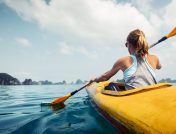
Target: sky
column 60, row 40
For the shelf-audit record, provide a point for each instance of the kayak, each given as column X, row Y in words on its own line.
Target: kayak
column 149, row 109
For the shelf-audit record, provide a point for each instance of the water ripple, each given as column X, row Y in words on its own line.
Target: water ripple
column 21, row 113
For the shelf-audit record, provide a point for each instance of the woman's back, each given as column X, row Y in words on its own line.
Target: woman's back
column 139, row 72
column 152, row 60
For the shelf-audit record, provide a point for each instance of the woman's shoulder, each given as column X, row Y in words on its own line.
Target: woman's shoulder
column 126, row 61
column 153, row 60
column 125, row 58
column 152, row 56
column 123, row 61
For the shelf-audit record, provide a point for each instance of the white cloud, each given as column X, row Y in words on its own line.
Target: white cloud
column 93, row 21
column 23, row 42
column 170, row 15
column 145, row 6
column 66, row 49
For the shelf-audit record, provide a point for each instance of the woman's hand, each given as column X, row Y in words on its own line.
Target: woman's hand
column 93, row 80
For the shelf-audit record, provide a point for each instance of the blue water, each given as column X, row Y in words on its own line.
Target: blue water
column 21, row 113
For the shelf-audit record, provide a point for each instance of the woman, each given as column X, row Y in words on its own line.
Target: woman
column 138, row 68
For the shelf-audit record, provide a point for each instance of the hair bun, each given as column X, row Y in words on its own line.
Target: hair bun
column 139, row 42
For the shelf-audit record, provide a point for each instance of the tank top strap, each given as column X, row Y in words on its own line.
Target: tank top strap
column 150, row 68
column 130, row 70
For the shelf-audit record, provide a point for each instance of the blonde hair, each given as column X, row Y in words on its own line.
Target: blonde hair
column 139, row 42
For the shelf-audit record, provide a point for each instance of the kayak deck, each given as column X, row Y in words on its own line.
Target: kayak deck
column 148, row 109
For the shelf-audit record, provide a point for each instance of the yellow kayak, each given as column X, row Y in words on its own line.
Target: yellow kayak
column 149, row 109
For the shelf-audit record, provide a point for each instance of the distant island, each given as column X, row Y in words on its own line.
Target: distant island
column 168, row 80
column 6, row 79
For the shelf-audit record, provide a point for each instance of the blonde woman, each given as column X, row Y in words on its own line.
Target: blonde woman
column 138, row 68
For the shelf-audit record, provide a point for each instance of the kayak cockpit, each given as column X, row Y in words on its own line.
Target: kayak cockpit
column 122, row 92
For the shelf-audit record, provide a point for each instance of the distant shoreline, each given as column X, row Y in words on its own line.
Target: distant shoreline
column 6, row 79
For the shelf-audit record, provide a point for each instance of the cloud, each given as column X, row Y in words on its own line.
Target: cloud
column 95, row 22
column 66, row 49
column 98, row 22
column 169, row 16
column 23, row 42
column 93, row 27
column 145, row 6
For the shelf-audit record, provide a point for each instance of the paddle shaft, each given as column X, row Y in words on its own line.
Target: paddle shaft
column 72, row 93
column 162, row 39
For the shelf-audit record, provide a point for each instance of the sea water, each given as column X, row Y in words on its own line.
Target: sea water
column 21, row 113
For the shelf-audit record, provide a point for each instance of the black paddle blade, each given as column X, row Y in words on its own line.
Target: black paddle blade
column 55, row 107
column 58, row 106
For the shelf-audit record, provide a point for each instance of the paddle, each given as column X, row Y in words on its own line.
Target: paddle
column 172, row 33
column 62, row 99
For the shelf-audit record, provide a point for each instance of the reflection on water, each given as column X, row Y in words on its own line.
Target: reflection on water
column 21, row 112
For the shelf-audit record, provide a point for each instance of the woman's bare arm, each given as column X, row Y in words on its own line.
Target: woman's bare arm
column 106, row 76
